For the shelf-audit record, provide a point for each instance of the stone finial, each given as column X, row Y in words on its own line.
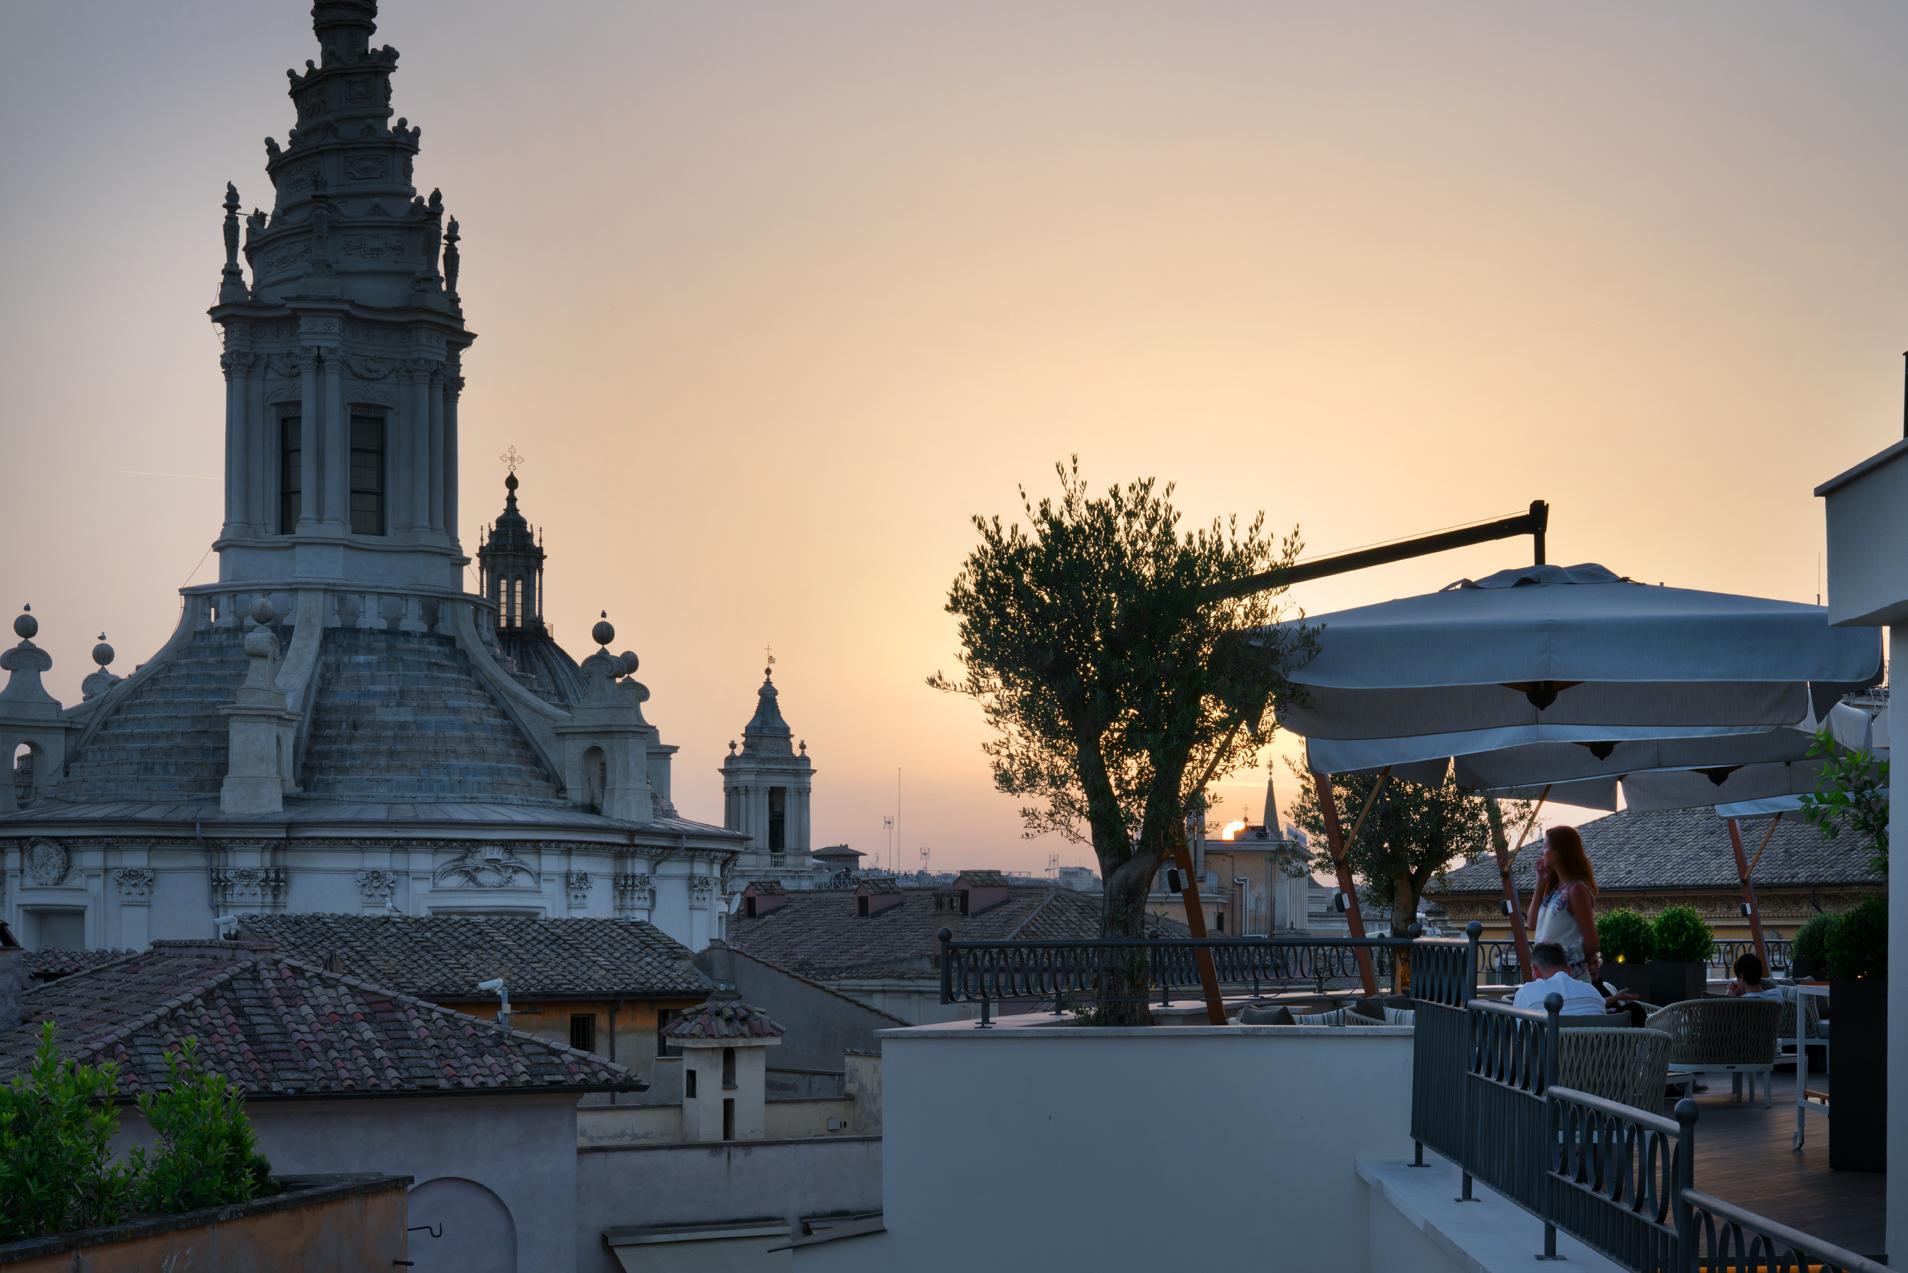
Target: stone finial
column 24, row 663
column 232, row 280
column 604, row 631
column 629, row 661
column 451, row 263
column 101, row 679
column 261, row 650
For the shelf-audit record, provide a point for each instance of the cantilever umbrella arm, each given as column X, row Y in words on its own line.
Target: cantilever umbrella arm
column 1746, row 867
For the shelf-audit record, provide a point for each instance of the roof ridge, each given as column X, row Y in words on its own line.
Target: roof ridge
column 786, row 971
column 158, row 1012
column 460, row 1018
column 1033, row 914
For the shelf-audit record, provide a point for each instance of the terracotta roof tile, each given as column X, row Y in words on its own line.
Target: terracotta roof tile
column 443, row 957
column 724, row 1017
column 276, row 1026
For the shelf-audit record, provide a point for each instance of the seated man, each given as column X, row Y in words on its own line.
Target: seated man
column 1749, row 982
column 1551, row 966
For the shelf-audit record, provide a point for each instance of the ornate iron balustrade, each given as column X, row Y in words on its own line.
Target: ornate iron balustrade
column 1063, row 972
column 1443, row 980
column 1617, row 1179
column 1723, row 955
column 1512, row 1062
column 1723, row 1238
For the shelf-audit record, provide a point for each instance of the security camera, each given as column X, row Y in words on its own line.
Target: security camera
column 228, row 927
column 494, row 985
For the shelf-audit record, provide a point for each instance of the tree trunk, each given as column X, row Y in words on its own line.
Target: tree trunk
column 1121, row 995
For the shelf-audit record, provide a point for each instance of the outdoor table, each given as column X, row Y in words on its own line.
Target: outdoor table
column 1802, row 1044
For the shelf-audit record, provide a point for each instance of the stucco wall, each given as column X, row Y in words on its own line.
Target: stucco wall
column 361, row 1231
column 635, row 1023
column 509, row 1163
column 1062, row 1139
column 822, row 1023
column 710, row 1184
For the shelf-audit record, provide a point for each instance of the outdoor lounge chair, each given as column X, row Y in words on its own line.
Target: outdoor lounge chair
column 1618, row 1063
column 1729, row 1036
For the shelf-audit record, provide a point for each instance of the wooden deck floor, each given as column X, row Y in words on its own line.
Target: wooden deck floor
column 1743, row 1156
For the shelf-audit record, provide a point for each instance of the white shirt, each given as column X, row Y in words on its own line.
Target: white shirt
column 1580, row 998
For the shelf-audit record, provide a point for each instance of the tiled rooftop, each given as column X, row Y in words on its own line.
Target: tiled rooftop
column 1686, row 848
column 443, row 957
column 279, row 1027
column 724, row 1017
column 51, row 965
column 541, row 665
column 820, row 934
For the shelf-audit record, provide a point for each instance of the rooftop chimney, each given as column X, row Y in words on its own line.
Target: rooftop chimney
column 873, row 896
column 761, row 897
column 981, row 890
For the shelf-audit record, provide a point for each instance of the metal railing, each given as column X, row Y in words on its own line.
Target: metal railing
column 1616, row 1177
column 1067, row 973
column 1497, row 959
column 1619, row 1179
column 1724, row 1238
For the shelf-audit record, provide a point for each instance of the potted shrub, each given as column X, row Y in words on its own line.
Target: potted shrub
column 1623, row 941
column 1808, row 949
column 1858, row 1007
column 1680, row 946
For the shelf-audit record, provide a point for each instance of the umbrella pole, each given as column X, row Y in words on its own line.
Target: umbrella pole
column 1335, row 841
column 1189, row 895
column 1502, row 850
column 1748, row 890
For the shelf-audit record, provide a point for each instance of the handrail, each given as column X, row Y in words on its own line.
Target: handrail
column 1753, row 1242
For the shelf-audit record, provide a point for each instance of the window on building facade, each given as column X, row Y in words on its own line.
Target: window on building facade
column 367, row 475
column 728, row 1118
column 290, row 470
column 57, row 929
column 689, row 1083
column 583, row 1031
column 517, row 612
column 778, row 819
column 728, row 1069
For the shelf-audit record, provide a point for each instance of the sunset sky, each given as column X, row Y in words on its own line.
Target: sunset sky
column 775, row 296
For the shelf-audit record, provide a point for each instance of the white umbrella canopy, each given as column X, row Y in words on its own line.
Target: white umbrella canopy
column 1543, row 647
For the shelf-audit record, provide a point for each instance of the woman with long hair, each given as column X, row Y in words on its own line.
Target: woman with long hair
column 1563, row 906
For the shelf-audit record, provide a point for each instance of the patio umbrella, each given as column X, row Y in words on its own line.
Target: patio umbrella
column 1575, row 655
column 1572, row 646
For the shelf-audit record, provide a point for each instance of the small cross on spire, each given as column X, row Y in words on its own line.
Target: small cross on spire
column 512, row 458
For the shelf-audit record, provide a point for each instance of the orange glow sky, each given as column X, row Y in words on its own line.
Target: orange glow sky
column 774, row 297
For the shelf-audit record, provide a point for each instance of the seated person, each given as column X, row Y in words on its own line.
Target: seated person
column 1552, row 969
column 1749, row 982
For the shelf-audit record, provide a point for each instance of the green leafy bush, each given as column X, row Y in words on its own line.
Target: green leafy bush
column 56, row 1130
column 1679, row 935
column 1623, row 937
column 207, row 1155
column 1858, row 945
column 1850, row 795
column 1808, row 949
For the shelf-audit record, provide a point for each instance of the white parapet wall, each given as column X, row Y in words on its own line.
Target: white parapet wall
column 1035, row 1145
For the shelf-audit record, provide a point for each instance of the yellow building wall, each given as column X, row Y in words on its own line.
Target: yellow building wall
column 636, row 1022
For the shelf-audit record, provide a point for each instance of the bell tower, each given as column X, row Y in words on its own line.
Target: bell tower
column 510, row 563
column 765, row 792
column 343, row 354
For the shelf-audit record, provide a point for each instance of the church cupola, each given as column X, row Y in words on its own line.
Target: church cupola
column 766, row 785
column 343, row 351
column 510, row 564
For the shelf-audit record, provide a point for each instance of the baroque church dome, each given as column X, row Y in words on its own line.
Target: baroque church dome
column 336, row 724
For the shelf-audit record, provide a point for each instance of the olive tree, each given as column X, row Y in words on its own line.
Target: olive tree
column 1118, row 685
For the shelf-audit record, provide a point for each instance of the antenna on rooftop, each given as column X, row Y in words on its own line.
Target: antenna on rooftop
column 924, row 859
column 1053, row 866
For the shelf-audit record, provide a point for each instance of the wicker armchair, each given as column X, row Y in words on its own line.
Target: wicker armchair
column 1731, row 1036
column 1617, row 1063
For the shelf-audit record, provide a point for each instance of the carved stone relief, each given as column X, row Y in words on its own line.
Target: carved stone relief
column 377, row 885
column 486, row 866
column 135, row 883
column 47, row 863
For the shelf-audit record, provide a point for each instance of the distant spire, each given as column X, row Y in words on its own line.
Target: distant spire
column 1272, row 831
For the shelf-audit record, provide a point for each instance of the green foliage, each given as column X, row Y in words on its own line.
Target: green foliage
column 1116, row 685
column 57, row 1124
column 207, row 1155
column 1412, row 833
column 1858, row 943
column 1679, row 935
column 1624, row 937
column 1808, row 949
column 1851, row 795
column 56, row 1129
